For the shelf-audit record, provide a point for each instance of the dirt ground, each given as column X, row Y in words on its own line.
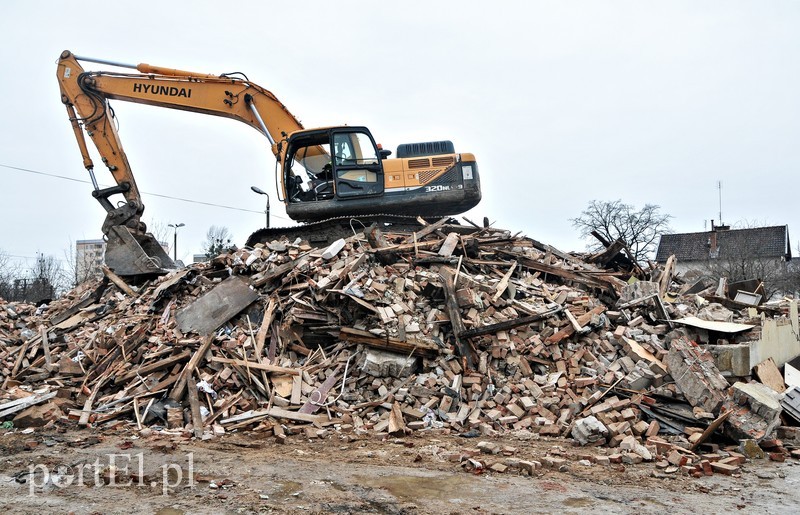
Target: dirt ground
column 171, row 474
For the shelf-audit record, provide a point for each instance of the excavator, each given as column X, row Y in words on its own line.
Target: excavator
column 326, row 177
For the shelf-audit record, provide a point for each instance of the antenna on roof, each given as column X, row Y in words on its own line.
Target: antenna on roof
column 719, row 185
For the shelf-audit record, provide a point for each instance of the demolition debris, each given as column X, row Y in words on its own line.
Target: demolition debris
column 468, row 330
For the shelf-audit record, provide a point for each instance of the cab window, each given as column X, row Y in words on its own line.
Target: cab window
column 309, row 172
column 353, row 149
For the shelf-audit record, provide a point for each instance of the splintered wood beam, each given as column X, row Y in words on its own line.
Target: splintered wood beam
column 503, row 284
column 427, row 229
column 569, row 330
column 604, row 257
column 118, row 282
column 266, row 276
column 276, row 412
column 257, row 366
column 666, row 276
column 152, row 367
column 388, row 344
column 320, row 394
column 194, row 404
column 261, row 337
column 454, row 313
column 569, row 275
column 179, row 389
column 509, row 324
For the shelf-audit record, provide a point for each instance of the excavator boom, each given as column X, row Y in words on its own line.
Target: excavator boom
column 130, row 249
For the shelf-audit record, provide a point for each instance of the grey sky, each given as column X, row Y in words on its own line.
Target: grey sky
column 561, row 102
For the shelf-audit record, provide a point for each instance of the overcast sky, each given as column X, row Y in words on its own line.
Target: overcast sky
column 561, row 102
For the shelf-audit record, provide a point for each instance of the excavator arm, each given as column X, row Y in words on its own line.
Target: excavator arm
column 130, row 249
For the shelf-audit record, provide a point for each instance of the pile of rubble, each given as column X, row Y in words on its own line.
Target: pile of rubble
column 463, row 329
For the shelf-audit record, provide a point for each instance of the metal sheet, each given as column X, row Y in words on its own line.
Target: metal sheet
column 721, row 327
column 791, row 402
column 223, row 302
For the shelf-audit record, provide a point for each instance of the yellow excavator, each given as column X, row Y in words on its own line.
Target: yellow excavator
column 325, row 176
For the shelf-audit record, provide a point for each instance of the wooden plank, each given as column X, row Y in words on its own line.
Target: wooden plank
column 273, row 342
column 87, row 406
column 266, row 276
column 319, row 395
column 366, row 305
column 180, row 387
column 422, row 245
column 767, row 372
column 573, row 321
column 710, row 429
column 503, row 284
column 568, row 330
column 297, row 384
column 603, row 258
column 261, row 337
column 171, row 281
column 16, row 405
column 428, row 229
column 449, row 245
column 194, row 404
column 666, row 276
column 453, row 312
column 159, row 364
column 118, row 282
column 48, row 359
column 225, row 406
column 257, row 366
column 281, row 413
column 583, row 277
column 509, row 324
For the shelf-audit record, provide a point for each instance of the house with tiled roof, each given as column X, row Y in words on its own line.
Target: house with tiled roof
column 698, row 251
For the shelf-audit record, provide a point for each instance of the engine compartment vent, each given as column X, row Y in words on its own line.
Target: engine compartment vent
column 430, row 148
column 419, row 163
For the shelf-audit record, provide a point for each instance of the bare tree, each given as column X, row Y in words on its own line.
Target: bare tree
column 160, row 231
column 48, row 272
column 639, row 229
column 775, row 274
column 9, row 270
column 218, row 240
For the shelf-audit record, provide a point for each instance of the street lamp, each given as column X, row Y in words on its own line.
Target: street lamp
column 262, row 192
column 175, row 241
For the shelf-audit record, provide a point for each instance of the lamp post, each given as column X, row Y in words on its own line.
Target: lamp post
column 262, row 192
column 175, row 241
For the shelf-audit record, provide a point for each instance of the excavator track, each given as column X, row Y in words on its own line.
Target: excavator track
column 327, row 231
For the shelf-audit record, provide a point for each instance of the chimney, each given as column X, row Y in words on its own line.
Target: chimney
column 712, row 241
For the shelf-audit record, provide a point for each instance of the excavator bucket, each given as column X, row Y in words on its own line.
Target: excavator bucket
column 130, row 254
